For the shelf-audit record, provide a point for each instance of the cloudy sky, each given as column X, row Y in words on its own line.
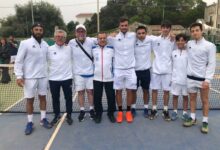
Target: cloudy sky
column 69, row 8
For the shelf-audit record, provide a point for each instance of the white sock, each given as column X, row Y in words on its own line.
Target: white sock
column 43, row 114
column 133, row 106
column 205, row 119
column 91, row 107
column 30, row 118
column 193, row 116
column 175, row 110
column 146, row 106
column 184, row 112
column 165, row 108
column 154, row 107
column 82, row 108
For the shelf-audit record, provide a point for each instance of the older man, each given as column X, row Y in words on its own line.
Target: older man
column 31, row 72
column 83, row 69
column 60, row 75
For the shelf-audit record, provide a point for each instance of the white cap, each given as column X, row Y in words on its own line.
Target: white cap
column 80, row 26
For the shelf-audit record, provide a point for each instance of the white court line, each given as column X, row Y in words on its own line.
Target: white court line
column 215, row 90
column 74, row 97
column 14, row 104
column 52, row 138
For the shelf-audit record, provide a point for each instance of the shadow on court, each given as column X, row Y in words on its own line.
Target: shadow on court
column 140, row 135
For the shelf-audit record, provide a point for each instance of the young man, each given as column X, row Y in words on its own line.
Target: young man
column 83, row 69
column 200, row 71
column 179, row 76
column 143, row 49
column 60, row 75
column 124, row 73
column 162, row 69
column 31, row 72
column 103, row 77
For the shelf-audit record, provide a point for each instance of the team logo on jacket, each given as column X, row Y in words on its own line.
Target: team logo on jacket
column 119, row 39
column 158, row 44
column 175, row 55
column 136, row 44
column 77, row 46
column 54, row 53
column 34, row 46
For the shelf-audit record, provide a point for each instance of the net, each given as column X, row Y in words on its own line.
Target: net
column 11, row 96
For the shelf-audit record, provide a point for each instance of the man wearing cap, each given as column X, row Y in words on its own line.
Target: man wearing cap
column 31, row 72
column 83, row 69
column 59, row 55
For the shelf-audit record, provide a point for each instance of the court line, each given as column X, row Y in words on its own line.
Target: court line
column 52, row 138
column 215, row 90
column 74, row 97
column 14, row 104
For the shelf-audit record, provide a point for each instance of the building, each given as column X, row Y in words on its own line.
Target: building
column 212, row 15
column 82, row 17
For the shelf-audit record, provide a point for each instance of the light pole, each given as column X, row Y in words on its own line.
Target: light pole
column 98, row 22
column 32, row 12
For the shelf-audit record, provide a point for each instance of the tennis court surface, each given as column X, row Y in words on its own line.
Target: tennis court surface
column 141, row 134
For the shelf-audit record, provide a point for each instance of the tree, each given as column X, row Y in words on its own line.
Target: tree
column 20, row 23
column 71, row 26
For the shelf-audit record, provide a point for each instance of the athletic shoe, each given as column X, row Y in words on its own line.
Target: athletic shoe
column 69, row 119
column 119, row 117
column 185, row 117
column 153, row 114
column 29, row 128
column 189, row 122
column 133, row 112
column 55, row 120
column 98, row 119
column 111, row 117
column 166, row 115
column 45, row 123
column 92, row 114
column 205, row 128
column 174, row 116
column 129, row 116
column 146, row 115
column 82, row 115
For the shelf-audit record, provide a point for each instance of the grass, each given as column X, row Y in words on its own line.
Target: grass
column 9, row 93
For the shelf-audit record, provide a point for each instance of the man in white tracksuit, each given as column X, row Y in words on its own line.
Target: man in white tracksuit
column 60, row 74
column 124, row 73
column 143, row 48
column 103, row 55
column 83, row 68
column 200, row 72
column 162, row 69
column 31, row 72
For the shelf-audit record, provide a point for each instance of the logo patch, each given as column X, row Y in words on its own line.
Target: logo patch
column 158, row 44
column 34, row 46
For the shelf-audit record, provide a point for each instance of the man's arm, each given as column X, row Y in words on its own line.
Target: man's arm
column 210, row 69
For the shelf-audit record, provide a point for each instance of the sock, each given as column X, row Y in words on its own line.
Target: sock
column 193, row 116
column 154, row 107
column 184, row 112
column 175, row 110
column 30, row 118
column 82, row 108
column 146, row 106
column 133, row 106
column 119, row 108
column 205, row 119
column 91, row 107
column 43, row 114
column 165, row 108
column 128, row 108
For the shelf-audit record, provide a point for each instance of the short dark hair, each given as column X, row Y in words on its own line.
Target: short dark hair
column 181, row 35
column 141, row 27
column 123, row 19
column 196, row 24
column 102, row 32
column 166, row 23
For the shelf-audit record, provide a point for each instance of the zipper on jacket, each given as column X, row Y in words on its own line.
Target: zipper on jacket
column 102, row 63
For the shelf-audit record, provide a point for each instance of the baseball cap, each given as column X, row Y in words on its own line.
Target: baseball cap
column 80, row 26
column 37, row 24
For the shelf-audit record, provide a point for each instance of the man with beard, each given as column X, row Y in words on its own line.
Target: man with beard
column 31, row 73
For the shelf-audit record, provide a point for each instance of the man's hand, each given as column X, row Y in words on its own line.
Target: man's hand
column 205, row 85
column 20, row 82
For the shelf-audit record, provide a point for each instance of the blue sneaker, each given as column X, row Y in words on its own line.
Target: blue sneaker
column 185, row 117
column 133, row 112
column 29, row 128
column 174, row 116
column 146, row 115
column 45, row 123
